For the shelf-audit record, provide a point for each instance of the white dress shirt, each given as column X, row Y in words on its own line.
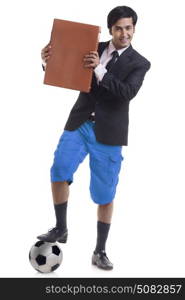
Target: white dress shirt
column 106, row 56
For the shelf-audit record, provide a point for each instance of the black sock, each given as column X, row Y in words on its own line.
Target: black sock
column 102, row 234
column 61, row 214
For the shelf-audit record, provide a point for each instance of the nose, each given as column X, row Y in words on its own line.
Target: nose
column 124, row 32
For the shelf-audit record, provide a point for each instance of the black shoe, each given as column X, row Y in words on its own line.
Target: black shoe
column 101, row 261
column 54, row 235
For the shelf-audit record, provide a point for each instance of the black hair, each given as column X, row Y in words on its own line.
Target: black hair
column 121, row 12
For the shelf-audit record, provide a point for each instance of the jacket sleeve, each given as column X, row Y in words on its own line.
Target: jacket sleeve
column 125, row 89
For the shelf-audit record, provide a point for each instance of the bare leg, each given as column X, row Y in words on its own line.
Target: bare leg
column 60, row 192
column 105, row 212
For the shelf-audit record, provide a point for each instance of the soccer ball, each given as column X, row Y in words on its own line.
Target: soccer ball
column 45, row 257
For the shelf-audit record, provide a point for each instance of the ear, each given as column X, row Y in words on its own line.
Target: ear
column 134, row 29
column 110, row 31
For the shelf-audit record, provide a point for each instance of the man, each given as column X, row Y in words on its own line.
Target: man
column 98, row 126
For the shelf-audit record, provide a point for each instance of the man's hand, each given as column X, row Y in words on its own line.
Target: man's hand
column 46, row 52
column 91, row 60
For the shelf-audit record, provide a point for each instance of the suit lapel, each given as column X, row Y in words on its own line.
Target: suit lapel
column 101, row 47
column 123, row 59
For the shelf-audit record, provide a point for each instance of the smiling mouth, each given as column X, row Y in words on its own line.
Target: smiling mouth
column 124, row 40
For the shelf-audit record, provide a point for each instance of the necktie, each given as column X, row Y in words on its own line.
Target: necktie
column 113, row 60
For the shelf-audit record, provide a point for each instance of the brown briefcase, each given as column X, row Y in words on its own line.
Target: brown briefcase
column 70, row 41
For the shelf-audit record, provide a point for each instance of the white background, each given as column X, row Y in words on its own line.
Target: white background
column 147, row 232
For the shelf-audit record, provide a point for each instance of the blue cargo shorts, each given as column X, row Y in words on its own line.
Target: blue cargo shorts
column 104, row 161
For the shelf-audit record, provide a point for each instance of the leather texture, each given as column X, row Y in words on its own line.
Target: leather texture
column 54, row 235
column 70, row 41
column 101, row 261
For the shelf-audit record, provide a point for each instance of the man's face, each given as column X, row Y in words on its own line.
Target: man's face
column 122, row 32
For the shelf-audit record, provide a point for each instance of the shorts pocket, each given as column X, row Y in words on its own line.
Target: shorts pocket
column 114, row 168
column 99, row 168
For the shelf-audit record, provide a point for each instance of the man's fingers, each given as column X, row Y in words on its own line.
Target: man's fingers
column 89, row 59
column 45, row 49
column 46, row 58
column 89, row 66
column 45, row 54
column 91, row 55
column 94, row 52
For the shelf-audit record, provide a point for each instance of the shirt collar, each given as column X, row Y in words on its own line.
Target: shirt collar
column 111, row 48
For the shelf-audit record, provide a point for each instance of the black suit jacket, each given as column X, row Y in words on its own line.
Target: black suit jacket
column 110, row 99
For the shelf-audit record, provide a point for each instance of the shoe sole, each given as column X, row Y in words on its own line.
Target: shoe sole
column 60, row 240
